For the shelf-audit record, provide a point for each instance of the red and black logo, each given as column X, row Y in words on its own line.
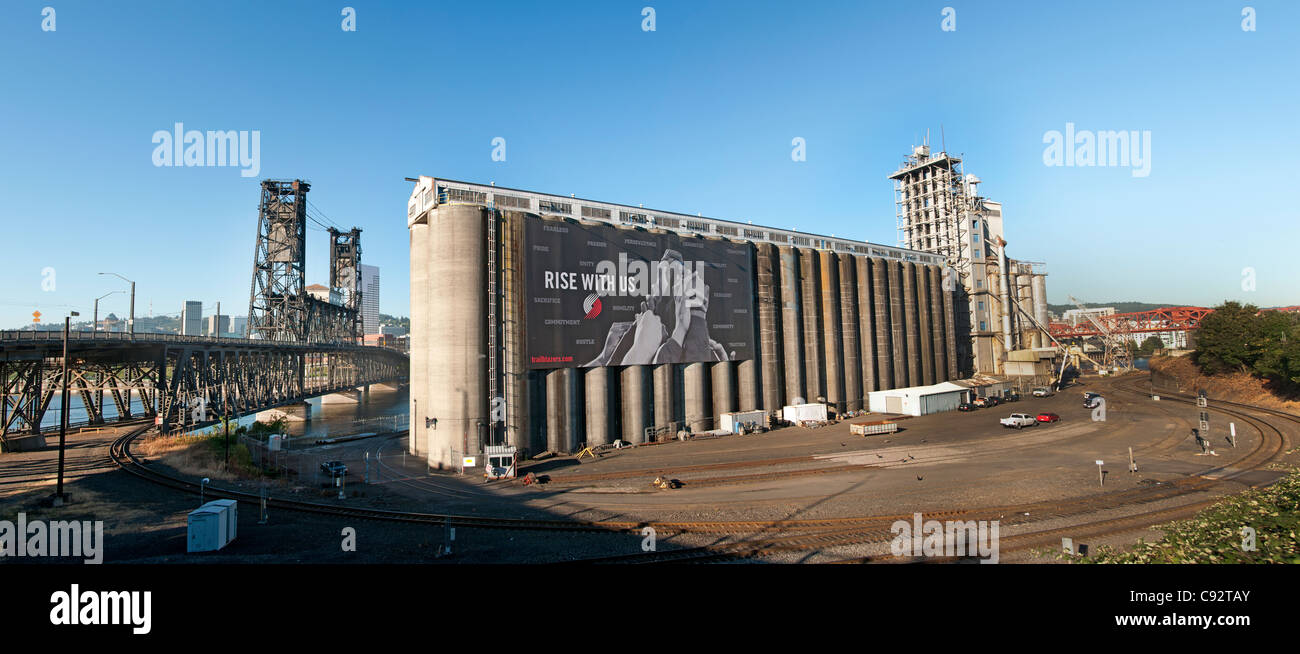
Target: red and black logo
column 592, row 306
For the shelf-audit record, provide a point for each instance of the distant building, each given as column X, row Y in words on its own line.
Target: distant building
column 369, row 299
column 216, row 325
column 238, row 325
column 392, row 330
column 325, row 294
column 192, row 319
column 387, row 340
column 111, row 324
column 1077, row 316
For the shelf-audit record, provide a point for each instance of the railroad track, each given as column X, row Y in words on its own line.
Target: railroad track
column 766, row 537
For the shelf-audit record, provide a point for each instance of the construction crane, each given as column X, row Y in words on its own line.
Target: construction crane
column 1115, row 353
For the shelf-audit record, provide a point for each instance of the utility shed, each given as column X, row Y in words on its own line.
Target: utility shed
column 918, row 400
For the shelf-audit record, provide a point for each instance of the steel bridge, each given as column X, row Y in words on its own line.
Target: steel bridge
column 1167, row 319
column 300, row 346
column 181, row 381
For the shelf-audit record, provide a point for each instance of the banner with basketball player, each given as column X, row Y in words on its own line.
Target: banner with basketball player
column 597, row 295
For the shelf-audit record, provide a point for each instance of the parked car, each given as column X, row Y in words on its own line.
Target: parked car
column 966, row 406
column 334, row 468
column 1011, row 397
column 1019, row 421
column 1042, row 391
column 1048, row 417
column 1090, row 400
column 981, row 402
column 993, row 400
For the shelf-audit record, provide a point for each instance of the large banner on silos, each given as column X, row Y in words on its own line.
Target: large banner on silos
column 597, row 295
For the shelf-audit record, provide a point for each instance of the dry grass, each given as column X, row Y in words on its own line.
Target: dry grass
column 1237, row 387
column 200, row 456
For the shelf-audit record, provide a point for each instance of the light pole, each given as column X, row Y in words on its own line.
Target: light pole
column 94, row 327
column 63, row 409
column 130, row 322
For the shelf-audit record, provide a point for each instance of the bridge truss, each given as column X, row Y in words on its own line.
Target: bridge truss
column 182, row 381
column 1168, row 319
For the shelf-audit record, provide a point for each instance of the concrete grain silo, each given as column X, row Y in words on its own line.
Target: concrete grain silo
column 547, row 322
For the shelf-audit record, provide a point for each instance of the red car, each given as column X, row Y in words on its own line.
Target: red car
column 1048, row 417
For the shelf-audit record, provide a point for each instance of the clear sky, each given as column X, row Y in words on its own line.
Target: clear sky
column 695, row 116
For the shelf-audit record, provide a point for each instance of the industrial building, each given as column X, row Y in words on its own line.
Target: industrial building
column 549, row 322
column 940, row 211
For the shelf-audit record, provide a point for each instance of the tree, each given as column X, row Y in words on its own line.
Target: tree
column 1150, row 345
column 1224, row 339
column 1278, row 349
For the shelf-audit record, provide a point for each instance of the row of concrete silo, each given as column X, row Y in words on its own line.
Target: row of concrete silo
column 829, row 327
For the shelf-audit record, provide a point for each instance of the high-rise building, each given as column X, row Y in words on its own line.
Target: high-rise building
column 238, row 325
column 192, row 319
column 216, row 325
column 369, row 299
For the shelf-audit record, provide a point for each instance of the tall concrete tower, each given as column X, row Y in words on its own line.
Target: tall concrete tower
column 939, row 210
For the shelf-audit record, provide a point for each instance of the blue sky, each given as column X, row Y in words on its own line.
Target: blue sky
column 696, row 116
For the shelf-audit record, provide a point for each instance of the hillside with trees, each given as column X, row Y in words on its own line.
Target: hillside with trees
column 1241, row 338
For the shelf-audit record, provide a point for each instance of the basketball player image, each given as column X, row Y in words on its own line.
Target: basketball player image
column 646, row 339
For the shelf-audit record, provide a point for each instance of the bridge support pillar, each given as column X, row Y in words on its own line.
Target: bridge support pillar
column 296, row 412
column 355, row 396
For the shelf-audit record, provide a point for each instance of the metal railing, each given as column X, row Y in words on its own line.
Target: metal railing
column 43, row 336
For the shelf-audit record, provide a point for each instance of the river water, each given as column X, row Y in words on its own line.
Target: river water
column 382, row 410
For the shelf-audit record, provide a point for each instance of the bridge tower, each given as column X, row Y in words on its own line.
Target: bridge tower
column 345, row 272
column 277, row 302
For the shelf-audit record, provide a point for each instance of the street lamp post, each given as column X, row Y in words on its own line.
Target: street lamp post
column 130, row 321
column 95, row 322
column 63, row 410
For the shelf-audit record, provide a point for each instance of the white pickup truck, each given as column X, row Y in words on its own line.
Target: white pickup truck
column 1019, row 421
